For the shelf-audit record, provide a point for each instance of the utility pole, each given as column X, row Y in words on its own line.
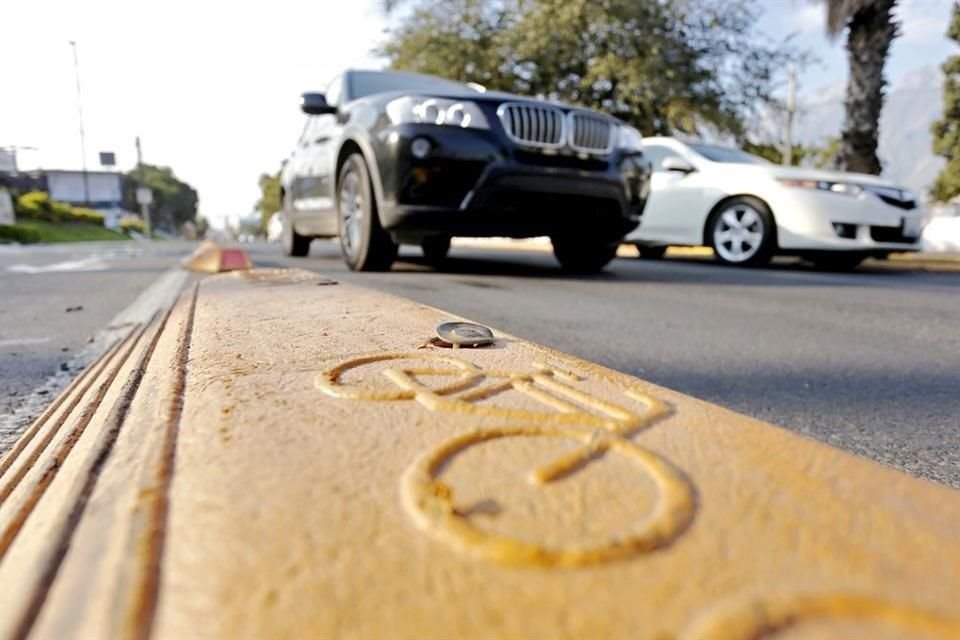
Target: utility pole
column 83, row 139
column 791, row 109
column 144, row 197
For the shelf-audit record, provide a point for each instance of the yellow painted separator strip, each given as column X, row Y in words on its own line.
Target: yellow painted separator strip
column 297, row 463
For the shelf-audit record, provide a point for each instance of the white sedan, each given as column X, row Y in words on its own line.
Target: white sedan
column 748, row 209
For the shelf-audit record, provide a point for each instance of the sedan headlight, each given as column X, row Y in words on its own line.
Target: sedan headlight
column 848, row 188
column 454, row 113
column 629, row 139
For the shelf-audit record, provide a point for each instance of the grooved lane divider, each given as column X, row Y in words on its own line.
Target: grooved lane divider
column 22, row 507
column 83, row 485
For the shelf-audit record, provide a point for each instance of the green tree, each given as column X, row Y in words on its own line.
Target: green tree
column 774, row 152
column 203, row 226
column 269, row 202
column 663, row 66
column 174, row 201
column 819, row 157
column 946, row 132
column 870, row 29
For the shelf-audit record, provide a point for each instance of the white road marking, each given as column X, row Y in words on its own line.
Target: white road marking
column 93, row 263
column 16, row 342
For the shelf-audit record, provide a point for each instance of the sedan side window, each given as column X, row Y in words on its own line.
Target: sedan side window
column 657, row 154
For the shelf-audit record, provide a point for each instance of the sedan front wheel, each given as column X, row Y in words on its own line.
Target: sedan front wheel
column 742, row 232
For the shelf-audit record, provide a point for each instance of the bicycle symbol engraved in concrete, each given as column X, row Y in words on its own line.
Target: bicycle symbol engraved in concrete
column 602, row 428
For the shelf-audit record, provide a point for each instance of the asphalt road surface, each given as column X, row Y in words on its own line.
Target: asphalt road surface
column 867, row 361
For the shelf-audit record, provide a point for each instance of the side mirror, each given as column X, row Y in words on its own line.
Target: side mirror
column 315, row 104
column 678, row 164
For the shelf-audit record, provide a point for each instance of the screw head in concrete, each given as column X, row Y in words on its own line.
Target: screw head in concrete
column 465, row 334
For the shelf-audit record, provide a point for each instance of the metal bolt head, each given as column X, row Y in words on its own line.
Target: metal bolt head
column 465, row 334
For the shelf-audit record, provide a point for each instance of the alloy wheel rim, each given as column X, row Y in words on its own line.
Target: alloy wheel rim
column 738, row 233
column 351, row 213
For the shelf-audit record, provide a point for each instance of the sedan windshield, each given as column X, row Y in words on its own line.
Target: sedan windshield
column 365, row 83
column 726, row 154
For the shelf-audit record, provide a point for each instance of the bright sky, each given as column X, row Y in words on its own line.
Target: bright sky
column 212, row 88
column 922, row 39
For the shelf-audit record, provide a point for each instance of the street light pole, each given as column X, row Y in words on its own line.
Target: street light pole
column 83, row 139
column 141, row 192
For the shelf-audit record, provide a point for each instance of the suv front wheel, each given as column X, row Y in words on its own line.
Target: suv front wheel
column 363, row 242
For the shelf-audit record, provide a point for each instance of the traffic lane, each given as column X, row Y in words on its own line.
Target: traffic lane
column 56, row 298
column 867, row 361
column 80, row 256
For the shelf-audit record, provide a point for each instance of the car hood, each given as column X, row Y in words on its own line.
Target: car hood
column 799, row 173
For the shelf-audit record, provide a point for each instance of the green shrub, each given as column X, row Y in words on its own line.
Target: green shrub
column 82, row 214
column 60, row 211
column 18, row 233
column 132, row 224
column 37, row 205
column 33, row 204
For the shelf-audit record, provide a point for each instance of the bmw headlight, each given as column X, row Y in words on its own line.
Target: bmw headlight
column 847, row 188
column 629, row 139
column 453, row 113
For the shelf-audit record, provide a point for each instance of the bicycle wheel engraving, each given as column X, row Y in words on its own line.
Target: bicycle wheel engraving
column 431, row 504
column 601, row 426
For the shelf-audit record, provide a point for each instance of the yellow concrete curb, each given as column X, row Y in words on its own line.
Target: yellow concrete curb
column 281, row 456
column 925, row 257
column 210, row 257
column 919, row 261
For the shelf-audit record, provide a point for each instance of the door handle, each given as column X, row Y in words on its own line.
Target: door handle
column 320, row 139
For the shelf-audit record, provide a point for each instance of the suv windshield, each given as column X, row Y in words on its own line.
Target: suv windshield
column 365, row 83
column 726, row 154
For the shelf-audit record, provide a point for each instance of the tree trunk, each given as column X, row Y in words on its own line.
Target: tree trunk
column 871, row 30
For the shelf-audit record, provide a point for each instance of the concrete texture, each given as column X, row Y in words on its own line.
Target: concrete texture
column 285, row 457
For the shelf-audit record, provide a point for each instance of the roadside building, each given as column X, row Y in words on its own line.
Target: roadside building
column 99, row 190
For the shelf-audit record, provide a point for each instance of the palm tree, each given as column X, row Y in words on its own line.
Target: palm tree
column 870, row 30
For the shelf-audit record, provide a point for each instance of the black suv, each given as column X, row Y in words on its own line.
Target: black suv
column 389, row 158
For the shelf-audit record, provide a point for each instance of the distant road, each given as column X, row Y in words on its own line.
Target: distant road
column 867, row 361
